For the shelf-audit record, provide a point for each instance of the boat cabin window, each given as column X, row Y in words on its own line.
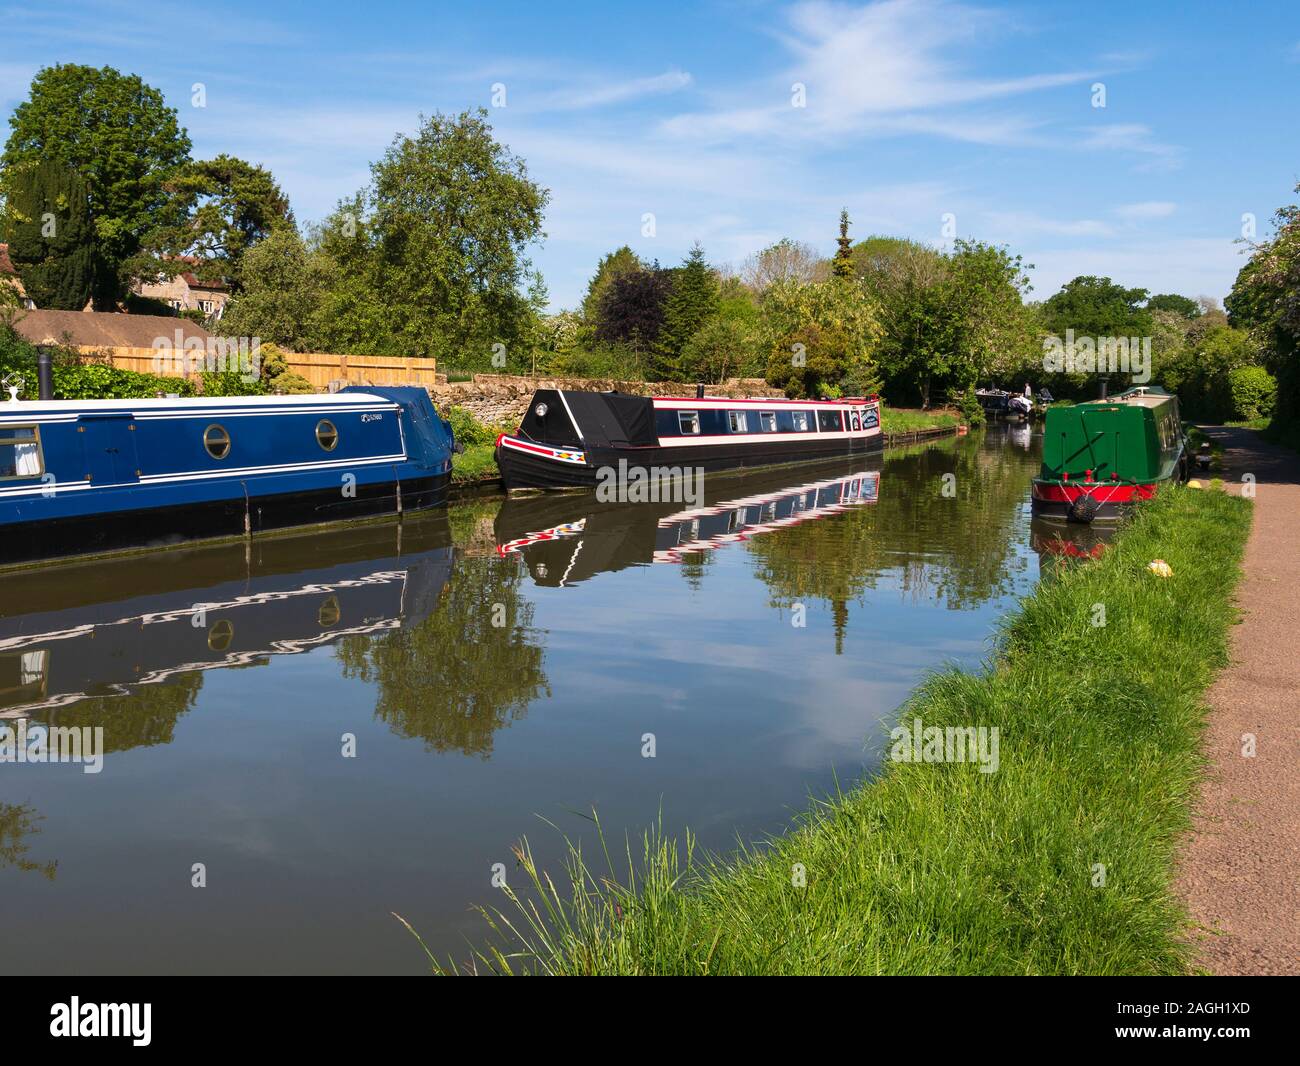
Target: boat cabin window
column 857, row 419
column 801, row 422
column 20, row 453
column 326, row 435
column 737, row 421
column 688, row 421
column 829, row 421
column 217, row 441
column 767, row 421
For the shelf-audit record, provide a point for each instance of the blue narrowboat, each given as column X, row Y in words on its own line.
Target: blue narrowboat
column 83, row 477
column 567, row 438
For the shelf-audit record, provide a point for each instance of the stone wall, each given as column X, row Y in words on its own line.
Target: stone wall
column 502, row 399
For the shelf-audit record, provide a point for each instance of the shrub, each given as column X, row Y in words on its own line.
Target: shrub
column 1253, row 390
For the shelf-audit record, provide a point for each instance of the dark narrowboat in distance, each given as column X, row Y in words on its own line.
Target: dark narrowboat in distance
column 84, row 477
column 1103, row 456
column 567, row 437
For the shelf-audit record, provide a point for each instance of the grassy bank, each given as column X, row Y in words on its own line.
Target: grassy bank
column 905, row 420
column 1057, row 863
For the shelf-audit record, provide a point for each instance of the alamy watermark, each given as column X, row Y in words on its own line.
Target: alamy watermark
column 1098, row 355
column 919, row 742
column 655, row 484
column 47, row 744
column 181, row 355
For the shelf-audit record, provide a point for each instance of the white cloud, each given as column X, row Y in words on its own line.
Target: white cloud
column 1131, row 140
column 1145, row 210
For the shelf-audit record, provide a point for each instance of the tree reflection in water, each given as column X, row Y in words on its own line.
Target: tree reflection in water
column 17, row 824
column 469, row 668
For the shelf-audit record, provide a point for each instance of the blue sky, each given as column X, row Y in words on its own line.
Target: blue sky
column 915, row 109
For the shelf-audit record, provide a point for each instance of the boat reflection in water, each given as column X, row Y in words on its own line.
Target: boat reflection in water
column 151, row 626
column 1055, row 542
column 566, row 540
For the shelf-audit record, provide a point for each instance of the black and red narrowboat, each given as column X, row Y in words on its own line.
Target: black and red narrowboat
column 567, row 438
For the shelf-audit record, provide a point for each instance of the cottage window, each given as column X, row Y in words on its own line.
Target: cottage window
column 217, row 441
column 688, row 421
column 20, row 452
column 737, row 421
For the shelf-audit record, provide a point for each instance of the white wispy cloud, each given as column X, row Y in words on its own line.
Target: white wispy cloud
column 1131, row 142
column 1145, row 210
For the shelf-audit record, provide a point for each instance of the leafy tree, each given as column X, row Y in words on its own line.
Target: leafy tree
column 123, row 140
column 632, row 309
column 231, row 205
column 820, row 336
column 692, row 301
column 620, row 261
column 786, row 260
column 1168, row 301
column 51, row 234
column 449, row 216
column 283, row 289
column 727, row 345
column 1097, row 307
column 1253, row 390
column 1265, row 300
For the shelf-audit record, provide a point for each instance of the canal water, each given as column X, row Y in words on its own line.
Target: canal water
column 307, row 734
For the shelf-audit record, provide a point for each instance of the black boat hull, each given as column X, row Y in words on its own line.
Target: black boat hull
column 528, row 470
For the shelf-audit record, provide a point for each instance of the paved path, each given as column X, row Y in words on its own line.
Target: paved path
column 1240, row 870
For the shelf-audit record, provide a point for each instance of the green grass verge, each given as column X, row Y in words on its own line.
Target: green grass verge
column 475, row 462
column 937, row 868
column 902, row 420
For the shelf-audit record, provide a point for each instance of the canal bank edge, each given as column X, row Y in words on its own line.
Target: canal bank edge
column 1060, row 862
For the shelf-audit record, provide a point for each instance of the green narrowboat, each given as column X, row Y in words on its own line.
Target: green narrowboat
column 1101, row 457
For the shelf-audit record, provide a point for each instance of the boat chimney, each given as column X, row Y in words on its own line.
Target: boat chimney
column 1102, row 394
column 699, row 392
column 45, row 374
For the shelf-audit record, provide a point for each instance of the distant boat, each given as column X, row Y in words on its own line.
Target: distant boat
column 81, row 477
column 1101, row 457
column 566, row 438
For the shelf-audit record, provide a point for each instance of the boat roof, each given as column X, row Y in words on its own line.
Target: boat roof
column 324, row 399
column 1144, row 396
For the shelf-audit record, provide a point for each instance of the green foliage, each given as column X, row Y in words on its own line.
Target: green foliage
column 691, row 302
column 1254, row 392
column 819, row 334
column 50, row 233
column 969, row 406
column 230, row 205
column 284, row 288
column 1265, row 300
column 276, row 375
column 1097, row 307
column 620, row 261
column 1200, row 372
column 119, row 135
column 429, row 259
column 842, row 265
column 632, row 311
column 1180, row 305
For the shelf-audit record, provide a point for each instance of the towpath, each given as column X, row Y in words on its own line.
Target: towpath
column 1240, row 869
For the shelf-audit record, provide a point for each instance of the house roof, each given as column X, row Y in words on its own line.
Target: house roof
column 214, row 285
column 102, row 329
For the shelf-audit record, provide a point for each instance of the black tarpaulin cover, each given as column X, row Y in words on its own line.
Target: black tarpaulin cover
column 607, row 419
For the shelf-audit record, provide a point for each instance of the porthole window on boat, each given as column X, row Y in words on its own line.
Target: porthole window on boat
column 221, row 635
column 217, row 441
column 326, row 435
column 329, row 613
column 737, row 421
column 688, row 421
column 20, row 452
column 767, row 420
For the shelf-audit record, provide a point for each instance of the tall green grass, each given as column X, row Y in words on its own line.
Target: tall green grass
column 1058, row 863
